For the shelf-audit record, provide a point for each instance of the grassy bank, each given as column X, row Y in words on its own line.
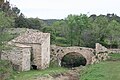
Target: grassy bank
column 108, row 70
column 30, row 75
column 114, row 57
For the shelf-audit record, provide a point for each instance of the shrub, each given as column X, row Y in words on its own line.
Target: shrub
column 6, row 71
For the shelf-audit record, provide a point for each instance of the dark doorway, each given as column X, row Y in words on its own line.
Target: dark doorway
column 73, row 59
column 34, row 67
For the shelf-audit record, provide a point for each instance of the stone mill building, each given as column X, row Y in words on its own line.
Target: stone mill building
column 31, row 50
column 27, row 49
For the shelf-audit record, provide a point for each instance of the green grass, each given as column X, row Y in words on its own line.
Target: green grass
column 114, row 56
column 30, row 75
column 108, row 70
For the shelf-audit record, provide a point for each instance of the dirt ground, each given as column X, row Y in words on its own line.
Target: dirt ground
column 72, row 74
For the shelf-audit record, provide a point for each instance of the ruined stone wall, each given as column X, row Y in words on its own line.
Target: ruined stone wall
column 100, row 48
column 45, row 53
column 54, row 55
column 99, row 57
column 101, row 53
column 19, row 56
column 26, row 59
column 114, row 50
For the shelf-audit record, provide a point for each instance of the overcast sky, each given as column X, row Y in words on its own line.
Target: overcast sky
column 59, row 9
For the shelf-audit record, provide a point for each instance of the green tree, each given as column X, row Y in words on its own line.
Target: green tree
column 15, row 11
column 6, row 21
column 71, row 22
column 36, row 23
column 21, row 22
column 96, row 32
column 32, row 23
column 50, row 30
column 82, row 23
column 77, row 24
column 61, row 33
column 113, row 36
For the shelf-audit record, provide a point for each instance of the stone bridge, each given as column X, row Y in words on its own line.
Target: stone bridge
column 60, row 52
column 91, row 55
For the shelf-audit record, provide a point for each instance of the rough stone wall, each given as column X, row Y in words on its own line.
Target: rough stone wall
column 101, row 53
column 92, row 55
column 26, row 59
column 57, row 53
column 40, row 46
column 41, row 53
column 45, row 53
column 100, row 48
column 54, row 55
column 36, row 55
column 31, row 47
column 99, row 57
column 86, row 52
column 114, row 50
column 19, row 56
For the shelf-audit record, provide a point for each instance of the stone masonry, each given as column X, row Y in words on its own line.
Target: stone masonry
column 91, row 55
column 60, row 52
column 101, row 53
column 19, row 56
column 99, row 48
column 32, row 48
column 114, row 50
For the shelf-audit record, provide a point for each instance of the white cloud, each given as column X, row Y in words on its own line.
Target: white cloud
column 61, row 8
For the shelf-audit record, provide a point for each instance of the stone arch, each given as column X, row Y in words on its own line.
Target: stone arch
column 59, row 52
column 74, row 55
column 85, row 52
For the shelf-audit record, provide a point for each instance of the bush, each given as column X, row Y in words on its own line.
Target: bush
column 6, row 71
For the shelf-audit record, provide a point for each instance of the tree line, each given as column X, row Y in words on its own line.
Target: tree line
column 81, row 30
column 74, row 30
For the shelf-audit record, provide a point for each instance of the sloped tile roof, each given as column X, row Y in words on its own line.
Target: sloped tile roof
column 31, row 36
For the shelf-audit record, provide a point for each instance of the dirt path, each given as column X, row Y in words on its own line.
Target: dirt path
column 72, row 74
